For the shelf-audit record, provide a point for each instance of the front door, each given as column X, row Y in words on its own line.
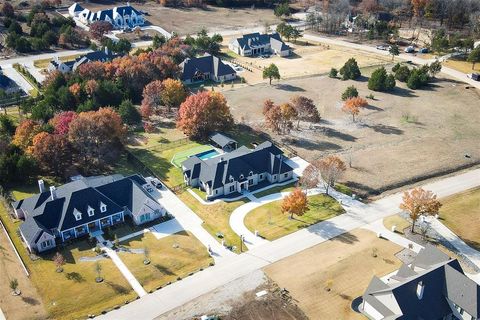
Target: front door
column 92, row 226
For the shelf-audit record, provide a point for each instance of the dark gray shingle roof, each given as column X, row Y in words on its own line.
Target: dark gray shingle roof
column 206, row 64
column 221, row 139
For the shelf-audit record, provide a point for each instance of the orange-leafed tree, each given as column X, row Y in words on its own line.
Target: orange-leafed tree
column 173, row 94
column 296, row 203
column 353, row 105
column 418, row 7
column 152, row 98
column 419, row 202
column 288, row 114
column 53, row 153
column 203, row 113
column 26, row 130
column 75, row 89
column 331, row 168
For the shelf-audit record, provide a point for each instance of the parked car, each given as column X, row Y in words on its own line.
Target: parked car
column 156, row 183
column 476, row 76
column 381, row 47
column 423, row 50
column 409, row 49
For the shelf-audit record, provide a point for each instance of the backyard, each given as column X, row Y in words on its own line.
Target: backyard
column 330, row 275
column 460, row 213
column 272, row 224
column 171, row 257
column 78, row 279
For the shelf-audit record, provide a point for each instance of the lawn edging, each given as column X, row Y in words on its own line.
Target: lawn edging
column 24, row 267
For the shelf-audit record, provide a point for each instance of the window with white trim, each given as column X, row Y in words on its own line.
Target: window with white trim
column 241, row 176
column 77, row 214
column 90, row 211
column 232, row 188
column 103, row 207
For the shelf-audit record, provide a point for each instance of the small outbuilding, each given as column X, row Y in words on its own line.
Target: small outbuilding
column 222, row 141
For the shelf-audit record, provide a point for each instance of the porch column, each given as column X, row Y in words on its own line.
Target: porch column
column 88, row 229
column 111, row 220
column 75, row 232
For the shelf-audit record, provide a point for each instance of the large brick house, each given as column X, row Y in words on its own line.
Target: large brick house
column 82, row 207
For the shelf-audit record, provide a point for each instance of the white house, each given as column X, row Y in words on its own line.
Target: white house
column 257, row 44
column 120, row 17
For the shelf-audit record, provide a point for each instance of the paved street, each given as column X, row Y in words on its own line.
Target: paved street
column 358, row 215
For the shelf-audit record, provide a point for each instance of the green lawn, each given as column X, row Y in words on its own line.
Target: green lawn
column 171, row 257
column 285, row 188
column 343, row 189
column 272, row 224
column 73, row 293
column 216, row 217
column 460, row 213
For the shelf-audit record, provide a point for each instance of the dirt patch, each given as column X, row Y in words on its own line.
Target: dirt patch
column 402, row 136
column 324, row 279
column 26, row 306
column 238, row 300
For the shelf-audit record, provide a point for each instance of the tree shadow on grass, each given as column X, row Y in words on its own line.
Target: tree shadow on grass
column 164, row 270
column 332, row 133
column 402, row 92
column 31, row 301
column 74, row 276
column 307, row 144
column 117, row 288
column 289, row 87
column 370, row 107
column 329, row 230
column 385, row 129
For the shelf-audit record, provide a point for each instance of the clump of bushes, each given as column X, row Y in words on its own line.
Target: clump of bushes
column 350, row 92
column 350, row 70
column 381, row 81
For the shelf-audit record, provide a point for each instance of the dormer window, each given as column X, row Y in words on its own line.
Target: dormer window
column 77, row 214
column 250, row 173
column 103, row 207
column 241, row 176
column 231, row 179
column 90, row 211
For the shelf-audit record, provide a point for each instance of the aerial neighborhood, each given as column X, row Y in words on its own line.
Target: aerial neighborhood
column 239, row 159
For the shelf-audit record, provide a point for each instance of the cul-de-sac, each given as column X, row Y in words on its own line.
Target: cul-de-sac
column 240, row 159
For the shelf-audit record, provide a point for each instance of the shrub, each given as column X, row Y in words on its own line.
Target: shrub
column 350, row 92
column 396, row 67
column 380, row 81
column 350, row 70
column 418, row 78
column 333, row 73
column 402, row 73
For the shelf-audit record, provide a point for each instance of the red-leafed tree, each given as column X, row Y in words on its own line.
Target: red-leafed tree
column 94, row 70
column 97, row 137
column 331, row 168
column 152, row 98
column 53, row 153
column 204, row 113
column 310, row 177
column 306, row 110
column 99, row 28
column 61, row 122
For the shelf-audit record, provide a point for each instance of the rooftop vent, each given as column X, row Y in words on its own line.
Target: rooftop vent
column 420, row 289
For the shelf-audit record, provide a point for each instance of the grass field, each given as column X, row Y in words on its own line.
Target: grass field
column 77, row 280
column 345, row 264
column 460, row 213
column 179, row 157
column 171, row 257
column 216, row 217
column 272, row 224
column 461, row 65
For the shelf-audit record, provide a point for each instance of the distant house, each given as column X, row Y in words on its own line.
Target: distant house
column 432, row 287
column 238, row 170
column 69, row 66
column 120, row 17
column 83, row 207
column 257, row 44
column 204, row 68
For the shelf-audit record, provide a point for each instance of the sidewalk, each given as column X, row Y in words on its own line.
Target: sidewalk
column 378, row 227
column 126, row 273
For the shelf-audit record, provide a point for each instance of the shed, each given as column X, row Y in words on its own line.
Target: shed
column 222, row 141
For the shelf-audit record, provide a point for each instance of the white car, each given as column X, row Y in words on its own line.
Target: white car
column 409, row 49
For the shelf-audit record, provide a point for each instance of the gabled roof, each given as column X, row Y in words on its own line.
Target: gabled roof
column 237, row 164
column 247, row 41
column 206, row 64
column 76, row 7
column 4, row 81
column 221, row 139
column 442, row 279
column 115, row 191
